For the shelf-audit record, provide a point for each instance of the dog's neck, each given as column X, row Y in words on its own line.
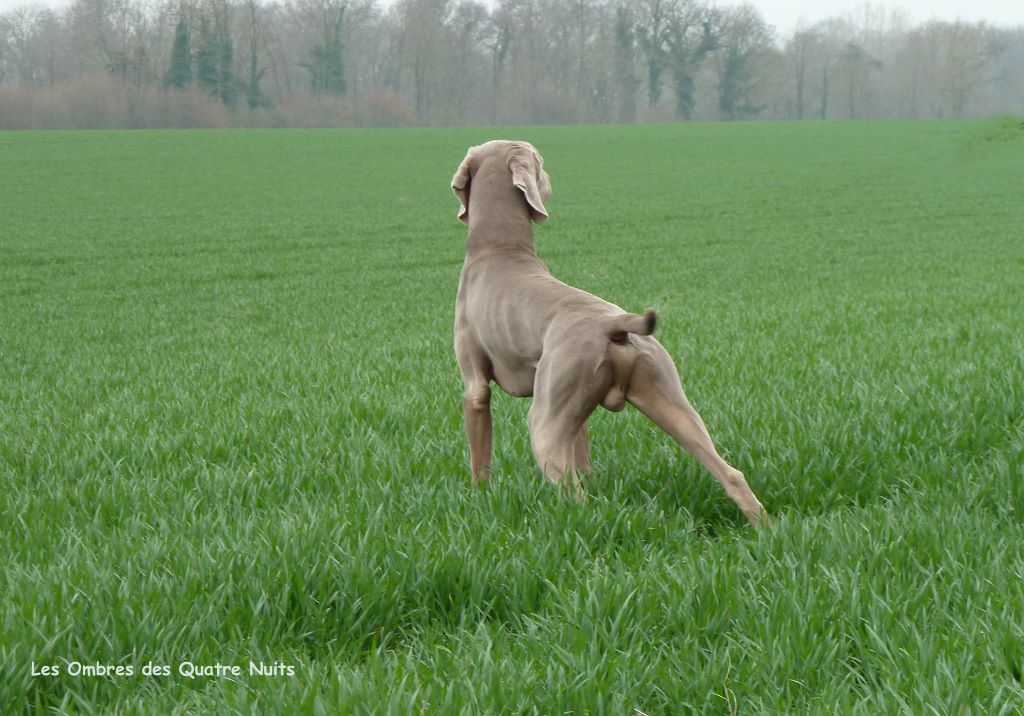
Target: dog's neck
column 488, row 234
column 498, row 218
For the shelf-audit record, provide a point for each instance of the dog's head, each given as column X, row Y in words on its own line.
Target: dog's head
column 501, row 160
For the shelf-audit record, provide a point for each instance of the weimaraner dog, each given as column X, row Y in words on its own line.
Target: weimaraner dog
column 533, row 335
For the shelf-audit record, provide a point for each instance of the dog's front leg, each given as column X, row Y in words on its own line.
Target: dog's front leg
column 476, row 404
column 582, row 450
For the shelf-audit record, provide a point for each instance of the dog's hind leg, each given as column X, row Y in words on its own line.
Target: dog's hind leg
column 554, row 448
column 567, row 388
column 655, row 390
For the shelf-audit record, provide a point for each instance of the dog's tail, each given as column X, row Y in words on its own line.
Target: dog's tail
column 618, row 327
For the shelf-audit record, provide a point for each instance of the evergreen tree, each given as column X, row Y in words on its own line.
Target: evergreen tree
column 227, row 89
column 326, row 66
column 206, row 56
column 180, row 72
column 214, row 57
column 254, row 95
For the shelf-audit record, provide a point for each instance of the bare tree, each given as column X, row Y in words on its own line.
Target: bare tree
column 855, row 67
column 690, row 36
column 338, row 62
column 253, row 34
column 969, row 50
column 745, row 45
column 800, row 53
column 835, row 35
column 423, row 25
column 24, row 51
column 1006, row 91
column 625, row 59
column 468, row 76
column 652, row 37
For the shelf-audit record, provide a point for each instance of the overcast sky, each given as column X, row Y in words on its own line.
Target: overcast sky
column 785, row 14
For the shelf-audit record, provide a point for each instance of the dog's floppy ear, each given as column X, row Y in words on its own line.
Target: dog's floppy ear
column 460, row 185
column 529, row 177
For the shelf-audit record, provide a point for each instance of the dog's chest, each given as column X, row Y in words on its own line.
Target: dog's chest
column 517, row 381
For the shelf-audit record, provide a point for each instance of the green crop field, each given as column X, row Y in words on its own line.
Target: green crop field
column 231, row 427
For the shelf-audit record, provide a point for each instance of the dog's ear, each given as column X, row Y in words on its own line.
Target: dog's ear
column 460, row 185
column 529, row 177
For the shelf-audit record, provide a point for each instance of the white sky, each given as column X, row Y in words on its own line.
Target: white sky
column 785, row 14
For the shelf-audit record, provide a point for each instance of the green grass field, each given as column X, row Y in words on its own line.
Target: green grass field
column 231, row 430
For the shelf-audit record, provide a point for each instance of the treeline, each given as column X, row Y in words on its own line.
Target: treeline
column 176, row 63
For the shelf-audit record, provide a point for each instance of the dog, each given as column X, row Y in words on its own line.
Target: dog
column 519, row 326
